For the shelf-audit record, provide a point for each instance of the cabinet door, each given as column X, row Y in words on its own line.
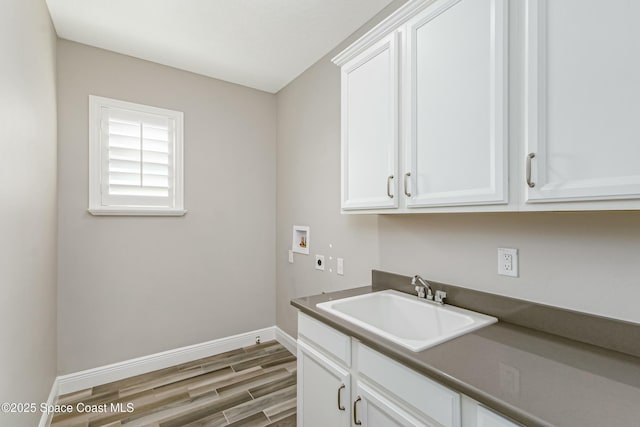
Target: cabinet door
column 372, row 409
column 583, row 100
column 456, row 61
column 423, row 395
column 323, row 390
column 370, row 128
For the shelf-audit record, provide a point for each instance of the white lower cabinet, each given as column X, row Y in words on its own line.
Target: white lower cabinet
column 323, row 390
column 372, row 408
column 359, row 386
column 430, row 401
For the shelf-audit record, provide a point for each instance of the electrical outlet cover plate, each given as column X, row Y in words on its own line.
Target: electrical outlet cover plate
column 508, row 262
column 320, row 262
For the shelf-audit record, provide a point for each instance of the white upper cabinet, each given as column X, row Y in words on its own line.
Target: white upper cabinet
column 455, row 103
column 498, row 106
column 370, row 127
column 582, row 101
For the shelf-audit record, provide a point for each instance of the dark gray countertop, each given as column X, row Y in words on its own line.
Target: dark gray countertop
column 535, row 378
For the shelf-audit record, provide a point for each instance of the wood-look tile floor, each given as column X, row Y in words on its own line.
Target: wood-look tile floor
column 251, row 386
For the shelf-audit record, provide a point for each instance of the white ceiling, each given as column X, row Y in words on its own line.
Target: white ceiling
column 262, row 44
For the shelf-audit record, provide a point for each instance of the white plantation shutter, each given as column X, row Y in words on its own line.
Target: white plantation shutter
column 138, row 158
column 138, row 153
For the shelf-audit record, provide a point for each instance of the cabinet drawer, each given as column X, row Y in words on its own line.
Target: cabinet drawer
column 335, row 344
column 424, row 395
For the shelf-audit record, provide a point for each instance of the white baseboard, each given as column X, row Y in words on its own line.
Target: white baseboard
column 105, row 374
column 286, row 340
column 45, row 419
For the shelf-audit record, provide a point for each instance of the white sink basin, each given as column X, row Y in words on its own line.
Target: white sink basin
column 406, row 320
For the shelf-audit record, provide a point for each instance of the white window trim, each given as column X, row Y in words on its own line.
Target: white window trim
column 96, row 103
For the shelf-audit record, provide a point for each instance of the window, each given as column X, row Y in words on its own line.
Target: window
column 135, row 159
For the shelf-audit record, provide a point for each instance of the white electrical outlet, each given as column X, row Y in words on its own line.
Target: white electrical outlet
column 340, row 266
column 290, row 256
column 508, row 262
column 320, row 262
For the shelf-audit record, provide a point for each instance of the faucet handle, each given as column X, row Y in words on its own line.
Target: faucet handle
column 440, row 296
column 420, row 291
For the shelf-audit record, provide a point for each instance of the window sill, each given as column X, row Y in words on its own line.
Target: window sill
column 136, row 212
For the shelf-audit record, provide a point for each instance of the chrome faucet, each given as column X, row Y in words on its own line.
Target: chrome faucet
column 425, row 290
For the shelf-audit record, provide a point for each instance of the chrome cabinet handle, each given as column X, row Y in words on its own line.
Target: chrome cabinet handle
column 355, row 412
column 406, row 176
column 389, row 178
column 340, row 407
column 530, row 183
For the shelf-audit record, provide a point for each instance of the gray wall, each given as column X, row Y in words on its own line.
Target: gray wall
column 584, row 261
column 309, row 189
column 28, row 206
column 133, row 286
